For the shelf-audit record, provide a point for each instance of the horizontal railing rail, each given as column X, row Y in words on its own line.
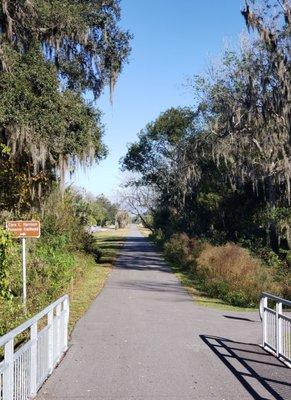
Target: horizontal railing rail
column 277, row 298
column 276, row 327
column 24, row 369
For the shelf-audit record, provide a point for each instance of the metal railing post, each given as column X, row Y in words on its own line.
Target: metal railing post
column 264, row 317
column 66, row 323
column 278, row 328
column 23, row 370
column 58, row 332
column 33, row 359
column 50, row 321
column 8, row 381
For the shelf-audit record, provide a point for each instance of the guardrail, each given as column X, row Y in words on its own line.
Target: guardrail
column 24, row 369
column 276, row 327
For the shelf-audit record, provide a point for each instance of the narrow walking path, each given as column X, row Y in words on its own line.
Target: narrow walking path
column 144, row 338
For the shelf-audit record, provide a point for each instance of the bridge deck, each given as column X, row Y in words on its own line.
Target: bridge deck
column 144, row 338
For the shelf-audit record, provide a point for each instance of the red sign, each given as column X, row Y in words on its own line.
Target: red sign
column 26, row 229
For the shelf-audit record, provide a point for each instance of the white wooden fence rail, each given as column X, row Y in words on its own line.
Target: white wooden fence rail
column 276, row 326
column 24, row 368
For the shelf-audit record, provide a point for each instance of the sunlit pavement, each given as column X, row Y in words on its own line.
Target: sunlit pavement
column 145, row 339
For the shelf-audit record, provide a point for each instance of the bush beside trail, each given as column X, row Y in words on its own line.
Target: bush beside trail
column 60, row 259
column 228, row 272
column 52, row 270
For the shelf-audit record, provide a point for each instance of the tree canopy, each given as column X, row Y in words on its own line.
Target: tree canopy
column 51, row 54
column 221, row 169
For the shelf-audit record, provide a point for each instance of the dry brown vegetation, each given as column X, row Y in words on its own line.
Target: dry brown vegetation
column 228, row 272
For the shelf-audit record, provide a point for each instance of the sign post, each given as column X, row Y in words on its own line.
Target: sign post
column 23, row 230
column 24, row 295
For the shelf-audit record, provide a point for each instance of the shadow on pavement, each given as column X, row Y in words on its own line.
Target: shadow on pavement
column 261, row 374
column 152, row 286
column 239, row 318
column 141, row 257
column 127, row 239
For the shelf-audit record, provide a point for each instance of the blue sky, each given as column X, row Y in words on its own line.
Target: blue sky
column 173, row 40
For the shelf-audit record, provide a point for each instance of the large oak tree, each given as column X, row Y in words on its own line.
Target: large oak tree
column 52, row 53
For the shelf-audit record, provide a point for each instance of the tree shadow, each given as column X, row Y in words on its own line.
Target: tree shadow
column 261, row 374
column 239, row 318
column 152, row 286
column 126, row 239
column 141, row 262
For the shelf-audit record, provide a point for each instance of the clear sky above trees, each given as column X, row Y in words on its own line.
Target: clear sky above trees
column 172, row 41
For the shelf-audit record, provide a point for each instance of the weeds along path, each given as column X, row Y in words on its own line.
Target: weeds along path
column 144, row 338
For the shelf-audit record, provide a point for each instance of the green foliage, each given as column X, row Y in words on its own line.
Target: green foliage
column 95, row 210
column 46, row 129
column 227, row 272
column 158, row 237
column 51, row 265
column 183, row 251
column 61, row 220
column 53, row 260
column 9, row 263
column 82, row 39
column 217, row 170
column 221, row 170
column 122, row 219
column 91, row 246
column 51, row 53
column 12, row 314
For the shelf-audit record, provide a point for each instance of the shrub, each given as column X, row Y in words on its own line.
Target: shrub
column 177, row 249
column 182, row 251
column 288, row 258
column 91, row 246
column 9, row 262
column 61, row 221
column 158, row 237
column 51, row 265
column 232, row 274
column 11, row 314
column 53, row 260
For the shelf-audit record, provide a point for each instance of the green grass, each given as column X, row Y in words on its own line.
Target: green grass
column 193, row 286
column 144, row 231
column 87, row 280
column 90, row 283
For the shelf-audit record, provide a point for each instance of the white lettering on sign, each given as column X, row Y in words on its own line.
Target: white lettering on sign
column 29, row 229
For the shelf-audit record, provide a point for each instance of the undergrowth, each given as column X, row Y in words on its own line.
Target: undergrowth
column 227, row 272
column 65, row 259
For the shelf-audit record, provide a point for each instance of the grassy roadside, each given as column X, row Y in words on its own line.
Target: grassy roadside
column 93, row 277
column 191, row 284
column 87, row 280
column 144, row 231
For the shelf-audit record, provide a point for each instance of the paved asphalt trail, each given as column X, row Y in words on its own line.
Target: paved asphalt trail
column 144, row 338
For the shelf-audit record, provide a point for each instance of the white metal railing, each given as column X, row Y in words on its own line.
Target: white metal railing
column 276, row 327
column 24, row 368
